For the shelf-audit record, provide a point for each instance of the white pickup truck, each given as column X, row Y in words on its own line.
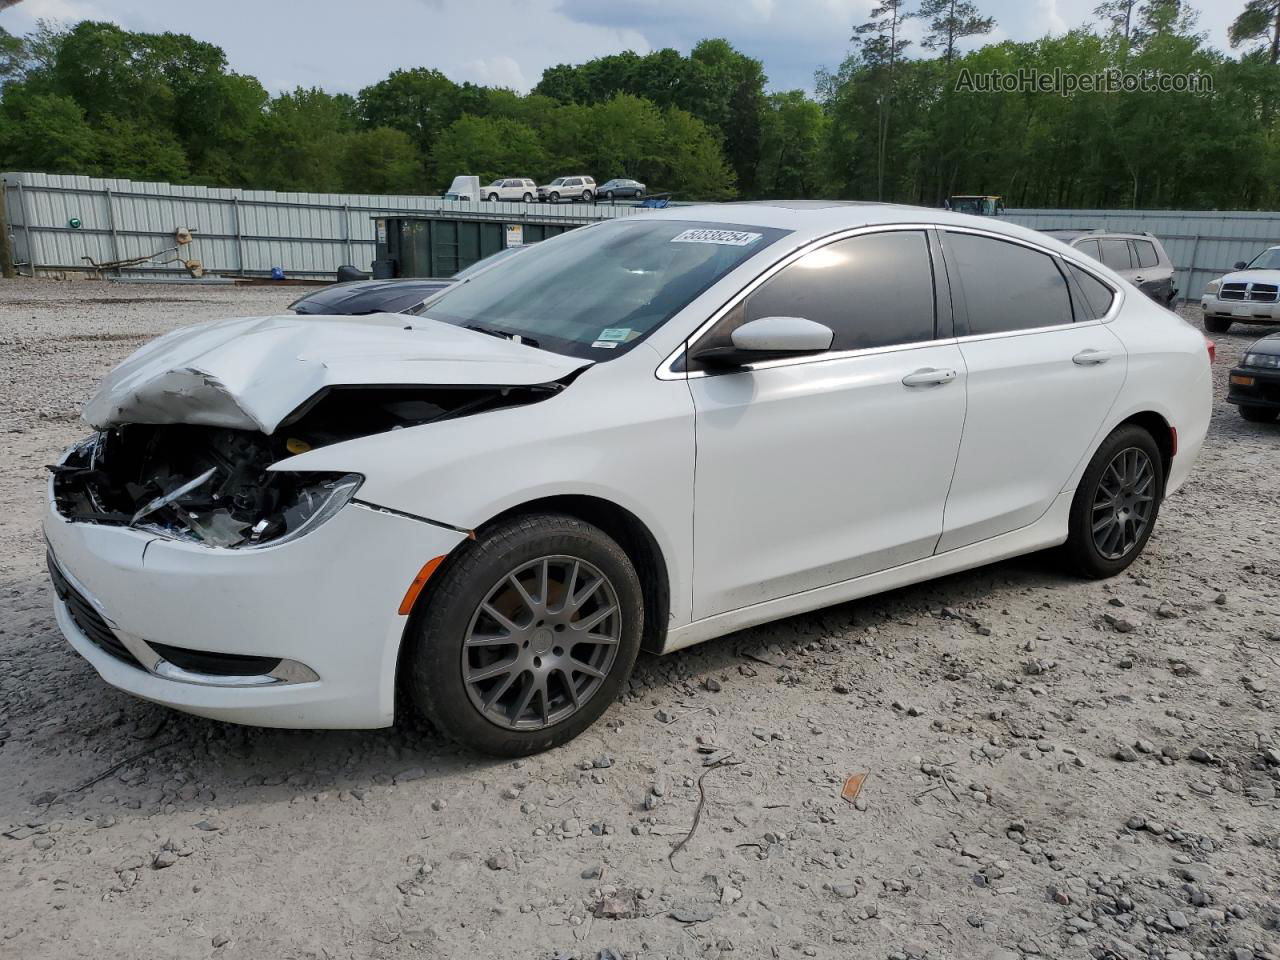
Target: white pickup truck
column 1250, row 295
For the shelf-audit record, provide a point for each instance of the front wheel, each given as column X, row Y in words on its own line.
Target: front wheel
column 1116, row 504
column 608, row 194
column 554, row 198
column 493, row 198
column 1259, row 414
column 1217, row 324
column 528, row 637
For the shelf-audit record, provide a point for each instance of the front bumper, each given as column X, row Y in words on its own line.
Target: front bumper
column 1253, row 387
column 1241, row 311
column 321, row 612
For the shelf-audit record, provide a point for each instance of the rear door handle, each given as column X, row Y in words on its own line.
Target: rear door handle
column 1091, row 358
column 928, row 377
column 1139, row 279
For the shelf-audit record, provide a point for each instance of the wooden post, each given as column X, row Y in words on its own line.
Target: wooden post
column 6, row 249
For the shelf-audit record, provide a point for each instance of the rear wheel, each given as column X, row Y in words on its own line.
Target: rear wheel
column 528, row 198
column 1217, row 324
column 586, row 196
column 1259, row 414
column 528, row 637
column 1116, row 504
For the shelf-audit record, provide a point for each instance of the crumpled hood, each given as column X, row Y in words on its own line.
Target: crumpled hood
column 251, row 373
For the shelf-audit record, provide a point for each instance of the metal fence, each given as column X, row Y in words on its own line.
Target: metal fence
column 58, row 220
column 248, row 232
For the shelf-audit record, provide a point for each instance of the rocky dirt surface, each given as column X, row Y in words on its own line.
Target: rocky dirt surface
column 1054, row 768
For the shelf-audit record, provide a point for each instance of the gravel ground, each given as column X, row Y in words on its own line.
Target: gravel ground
column 1054, row 768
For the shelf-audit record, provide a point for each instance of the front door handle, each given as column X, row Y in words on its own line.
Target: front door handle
column 1091, row 358
column 1139, row 279
column 928, row 377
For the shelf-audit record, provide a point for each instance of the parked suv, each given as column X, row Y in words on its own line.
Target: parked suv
column 1250, row 295
column 510, row 189
column 1138, row 257
column 568, row 188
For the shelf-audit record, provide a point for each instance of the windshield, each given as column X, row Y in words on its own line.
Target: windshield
column 1267, row 260
column 597, row 291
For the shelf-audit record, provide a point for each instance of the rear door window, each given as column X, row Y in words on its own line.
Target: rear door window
column 1146, row 250
column 1097, row 295
column 1089, row 248
column 1115, row 254
column 1007, row 286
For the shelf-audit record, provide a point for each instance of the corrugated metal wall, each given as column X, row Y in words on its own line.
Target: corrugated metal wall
column 1203, row 244
column 236, row 231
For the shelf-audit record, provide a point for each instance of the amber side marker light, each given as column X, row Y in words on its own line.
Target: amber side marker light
column 420, row 581
column 1242, row 381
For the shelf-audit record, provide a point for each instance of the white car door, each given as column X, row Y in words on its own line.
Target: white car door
column 815, row 470
column 1043, row 371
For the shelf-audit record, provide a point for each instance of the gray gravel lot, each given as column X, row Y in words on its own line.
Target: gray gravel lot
column 1055, row 768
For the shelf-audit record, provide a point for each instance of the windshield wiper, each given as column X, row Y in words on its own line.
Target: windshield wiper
column 503, row 334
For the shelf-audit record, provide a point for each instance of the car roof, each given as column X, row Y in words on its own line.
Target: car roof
column 817, row 218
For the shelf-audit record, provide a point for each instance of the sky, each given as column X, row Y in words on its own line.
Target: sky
column 342, row 46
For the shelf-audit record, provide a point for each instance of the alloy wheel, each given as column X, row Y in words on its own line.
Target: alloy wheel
column 541, row 643
column 1123, row 503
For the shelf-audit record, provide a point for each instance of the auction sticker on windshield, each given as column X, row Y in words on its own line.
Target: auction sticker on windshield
column 728, row 238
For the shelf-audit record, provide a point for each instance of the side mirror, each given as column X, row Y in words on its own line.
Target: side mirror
column 769, row 338
column 1240, row 265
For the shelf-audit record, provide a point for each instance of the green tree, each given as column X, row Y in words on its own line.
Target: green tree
column 136, row 152
column 695, row 165
column 380, row 160
column 46, row 132
column 487, row 147
column 420, row 102
column 951, row 21
column 792, row 153
column 1260, row 20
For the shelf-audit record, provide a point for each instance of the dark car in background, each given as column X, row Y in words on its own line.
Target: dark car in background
column 620, row 187
column 1254, row 386
column 1138, row 257
column 358, row 297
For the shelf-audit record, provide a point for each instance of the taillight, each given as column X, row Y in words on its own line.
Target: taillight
column 1213, row 349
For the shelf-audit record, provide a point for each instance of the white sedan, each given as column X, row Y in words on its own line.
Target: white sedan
column 753, row 410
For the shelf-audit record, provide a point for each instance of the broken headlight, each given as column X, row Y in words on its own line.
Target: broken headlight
column 316, row 502
column 209, row 486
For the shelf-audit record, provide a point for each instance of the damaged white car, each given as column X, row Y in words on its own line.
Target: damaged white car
column 486, row 510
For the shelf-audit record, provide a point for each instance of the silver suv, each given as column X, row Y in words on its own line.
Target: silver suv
column 1138, row 257
column 568, row 188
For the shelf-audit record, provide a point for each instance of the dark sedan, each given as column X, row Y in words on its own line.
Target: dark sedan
column 1254, row 386
column 397, row 295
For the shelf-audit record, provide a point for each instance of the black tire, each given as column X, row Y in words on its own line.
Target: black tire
column 1259, row 414
column 586, row 196
column 608, row 194
column 493, row 198
column 528, row 198
column 554, row 198
column 1217, row 324
column 440, row 625
column 1082, row 552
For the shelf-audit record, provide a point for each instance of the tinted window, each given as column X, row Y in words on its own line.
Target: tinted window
column 1007, row 286
column 872, row 291
column 1146, row 251
column 1097, row 295
column 1115, row 254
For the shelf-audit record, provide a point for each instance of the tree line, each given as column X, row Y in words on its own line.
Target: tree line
column 892, row 122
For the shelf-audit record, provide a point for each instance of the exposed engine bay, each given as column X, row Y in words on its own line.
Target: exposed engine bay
column 212, row 485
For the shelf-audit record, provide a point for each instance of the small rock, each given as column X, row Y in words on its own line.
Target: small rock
column 500, row 861
column 163, row 859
